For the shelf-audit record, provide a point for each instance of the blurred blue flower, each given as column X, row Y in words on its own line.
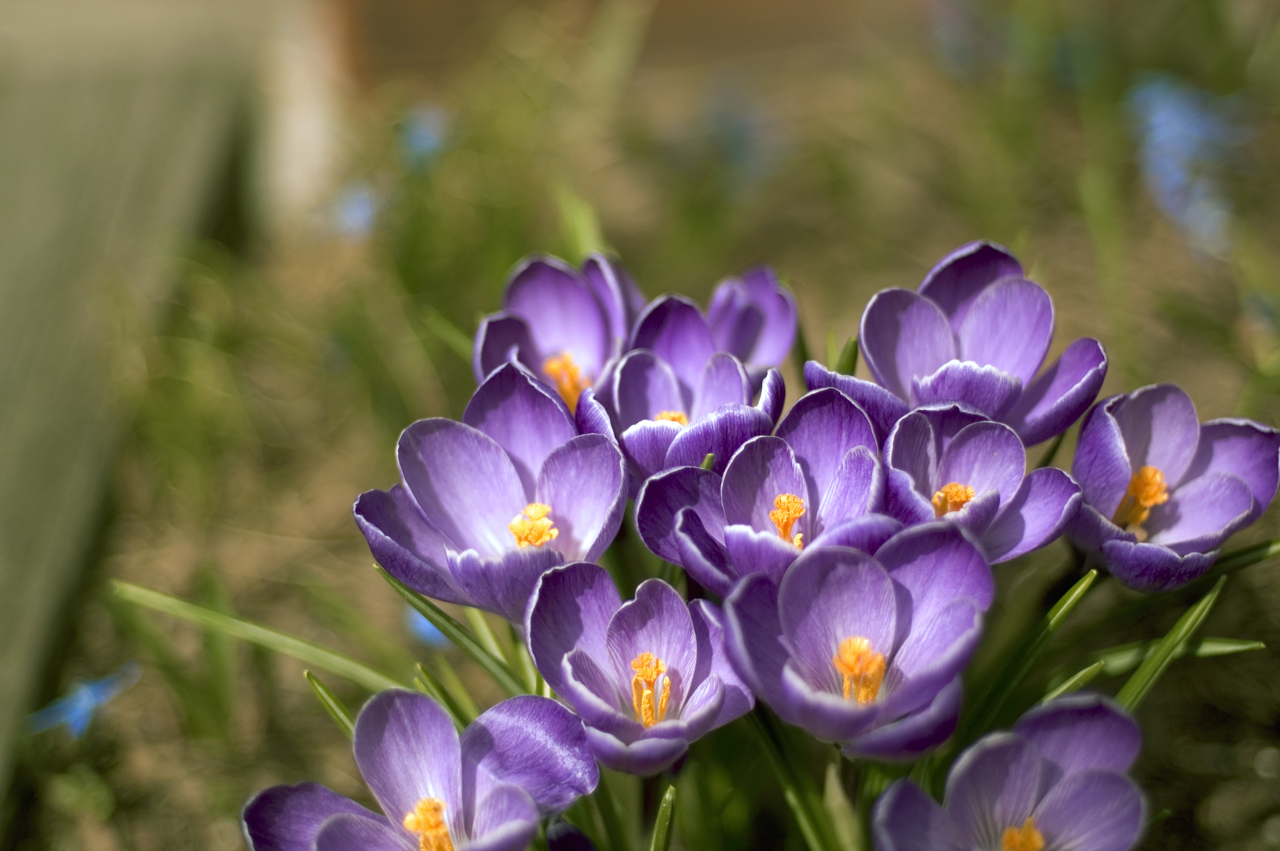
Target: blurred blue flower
column 964, row 38
column 422, row 134
column 356, row 211
column 1187, row 138
column 76, row 708
column 422, row 629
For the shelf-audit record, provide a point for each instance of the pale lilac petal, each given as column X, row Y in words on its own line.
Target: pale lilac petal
column 1101, row 464
column 882, row 408
column 466, row 486
column 934, row 653
column 937, row 564
column 1008, row 326
column 913, row 448
column 903, row 501
column 985, row 389
column 591, row 417
column 960, row 277
column 506, row 819
column 821, row 428
column 753, row 637
column 616, row 292
column 502, row 338
column 503, row 584
column 665, row 495
column 867, row 533
column 1055, row 400
column 828, row 716
column 753, row 318
column 905, row 818
column 406, row 545
column 857, row 489
column 287, row 818
column 912, row 735
column 657, row 621
column 523, row 416
column 1094, row 810
column 719, row 433
column 644, row 757
column 724, row 382
column 708, row 627
column 647, row 444
column 701, row 708
column 1201, row 514
column 570, row 607
column 407, row 749
column 1043, row 506
column 985, row 456
column 347, row 832
column 904, row 336
column 773, row 395
column 562, row 313
column 1148, row 567
column 750, row 551
column 762, row 470
column 585, row 483
column 702, row 554
column 977, row 514
column 1160, row 429
column 994, row 784
column 674, row 328
column 1245, row 449
column 597, row 696
column 645, row 386
column 1083, row 731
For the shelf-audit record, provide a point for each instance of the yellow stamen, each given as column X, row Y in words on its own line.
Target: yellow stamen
column 952, row 497
column 570, row 382
column 532, row 527
column 1025, row 838
column 427, row 820
column 1147, row 488
column 787, row 509
column 672, row 417
column 648, row 668
column 861, row 668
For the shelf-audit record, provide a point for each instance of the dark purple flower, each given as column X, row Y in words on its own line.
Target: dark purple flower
column 1163, row 491
column 817, row 482
column 564, row 326
column 947, row 463
column 975, row 334
column 489, row 503
column 648, row 677
column 865, row 650
column 1056, row 783
column 524, row 759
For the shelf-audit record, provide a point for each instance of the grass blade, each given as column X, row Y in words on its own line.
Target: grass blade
column 663, row 829
column 484, row 633
column 426, row 683
column 847, row 363
column 292, row 646
column 800, row 795
column 336, row 710
column 1051, row 452
column 1249, row 556
column 1153, row 666
column 1076, row 681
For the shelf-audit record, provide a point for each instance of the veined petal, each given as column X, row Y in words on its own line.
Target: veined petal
column 1098, row 810
column 1101, row 464
column 616, row 292
column 723, row 382
column 753, row 318
column 914, row 734
column 905, row 818
column 346, row 832
column 502, row 584
column 960, row 277
column 406, row 545
column 523, row 416
column 1057, row 398
column 882, row 407
column 857, row 489
column 713, row 661
column 506, row 819
column 985, row 456
column 753, row 637
column 674, row 328
column 994, row 784
column 288, row 818
column 904, row 336
column 1009, row 326
column 702, row 553
column 1160, row 429
column 935, row 652
column 1045, row 503
column 1083, row 731
column 1201, row 514
column 663, row 496
column 657, row 621
column 646, row 444
column 644, row 757
column 1150, row 567
column 644, row 386
column 750, row 552
column 570, row 607
column 821, row 427
column 760, row 471
column 721, row 433
column 585, row 483
column 986, row 389
column 773, row 395
column 562, row 313
column 1245, row 449
column 937, row 564
column 502, row 338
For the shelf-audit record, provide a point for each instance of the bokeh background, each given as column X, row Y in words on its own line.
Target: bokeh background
column 243, row 244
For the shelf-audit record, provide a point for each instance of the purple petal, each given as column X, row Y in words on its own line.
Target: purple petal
column 674, row 328
column 750, row 552
column 562, row 313
column 1149, row 567
column 1089, row 530
column 937, row 564
column 708, row 627
column 645, row 386
column 994, row 784
column 597, row 696
column 1083, row 731
column 353, row 833
column 663, row 496
column 721, row 433
column 616, row 292
column 287, row 818
column 1101, row 464
column 1051, row 403
column 977, row 514
column 647, row 444
column 904, row 336
column 915, row 734
column 570, row 607
column 644, row 757
column 724, row 382
column 591, row 417
column 502, row 338
column 753, row 637
column 957, row 280
column 585, row 483
column 1201, row 514
column 503, row 584
column 657, row 621
column 1245, row 449
column 702, row 554
column 1043, row 506
column 1094, row 810
column 1008, row 326
column 563, row 836
column 701, row 708
column 907, row 819
column 1160, row 429
column 753, row 318
column 407, row 749
column 821, row 428
column 867, row 533
column 829, row 717
column 986, row 456
column 466, row 486
column 985, row 389
column 406, row 546
column 913, row 448
column 762, row 470
column 773, row 395
column 506, row 820
column 882, row 408
column 934, row 653
column 535, row 744
column 523, row 416
column 857, row 489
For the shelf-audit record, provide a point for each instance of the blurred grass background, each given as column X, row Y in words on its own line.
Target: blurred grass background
column 392, row 160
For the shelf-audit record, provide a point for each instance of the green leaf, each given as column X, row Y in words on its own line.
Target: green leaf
column 336, row 710
column 709, row 461
column 605, row 806
column 844, row 819
column 426, row 683
column 1076, row 681
column 448, row 333
column 484, row 633
column 297, row 648
column 1153, row 666
column 800, row 349
column 1249, row 556
column 798, row 791
column 460, row 636
column 1051, row 452
column 663, row 829
column 455, row 688
column 219, row 649
column 847, row 363
column 1125, row 657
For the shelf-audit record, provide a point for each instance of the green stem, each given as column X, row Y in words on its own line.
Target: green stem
column 797, row 790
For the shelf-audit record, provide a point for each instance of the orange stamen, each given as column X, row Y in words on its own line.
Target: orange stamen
column 643, row 685
column 532, row 527
column 1147, row 488
column 861, row 668
column 787, row 509
column 1025, row 838
column 952, row 497
column 568, row 378
column 427, row 820
column 672, row 417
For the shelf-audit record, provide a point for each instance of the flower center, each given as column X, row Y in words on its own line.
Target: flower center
column 861, row 668
column 570, row 382
column 672, row 417
column 427, row 820
column 787, row 509
column 952, row 497
column 1025, row 838
column 644, row 685
column 1147, row 488
column 532, row 527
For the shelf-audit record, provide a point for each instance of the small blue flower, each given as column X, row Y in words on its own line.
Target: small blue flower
column 423, row 133
column 356, row 211
column 77, row 707
column 422, row 629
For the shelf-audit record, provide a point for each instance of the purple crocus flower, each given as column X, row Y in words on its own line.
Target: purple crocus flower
column 565, row 326
column 865, row 650
column 648, row 677
column 816, row 482
column 489, row 503
column 753, row 318
column 1163, row 491
column 1057, row 782
column 976, row 334
column 948, row 463
column 524, row 759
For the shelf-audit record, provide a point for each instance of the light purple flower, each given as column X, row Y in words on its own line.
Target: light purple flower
column 816, row 482
column 1057, row 783
column 1163, row 491
column 865, row 650
column 565, row 326
column 522, row 760
column 947, row 463
column 975, row 334
column 753, row 318
column 489, row 503
column 648, row 677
